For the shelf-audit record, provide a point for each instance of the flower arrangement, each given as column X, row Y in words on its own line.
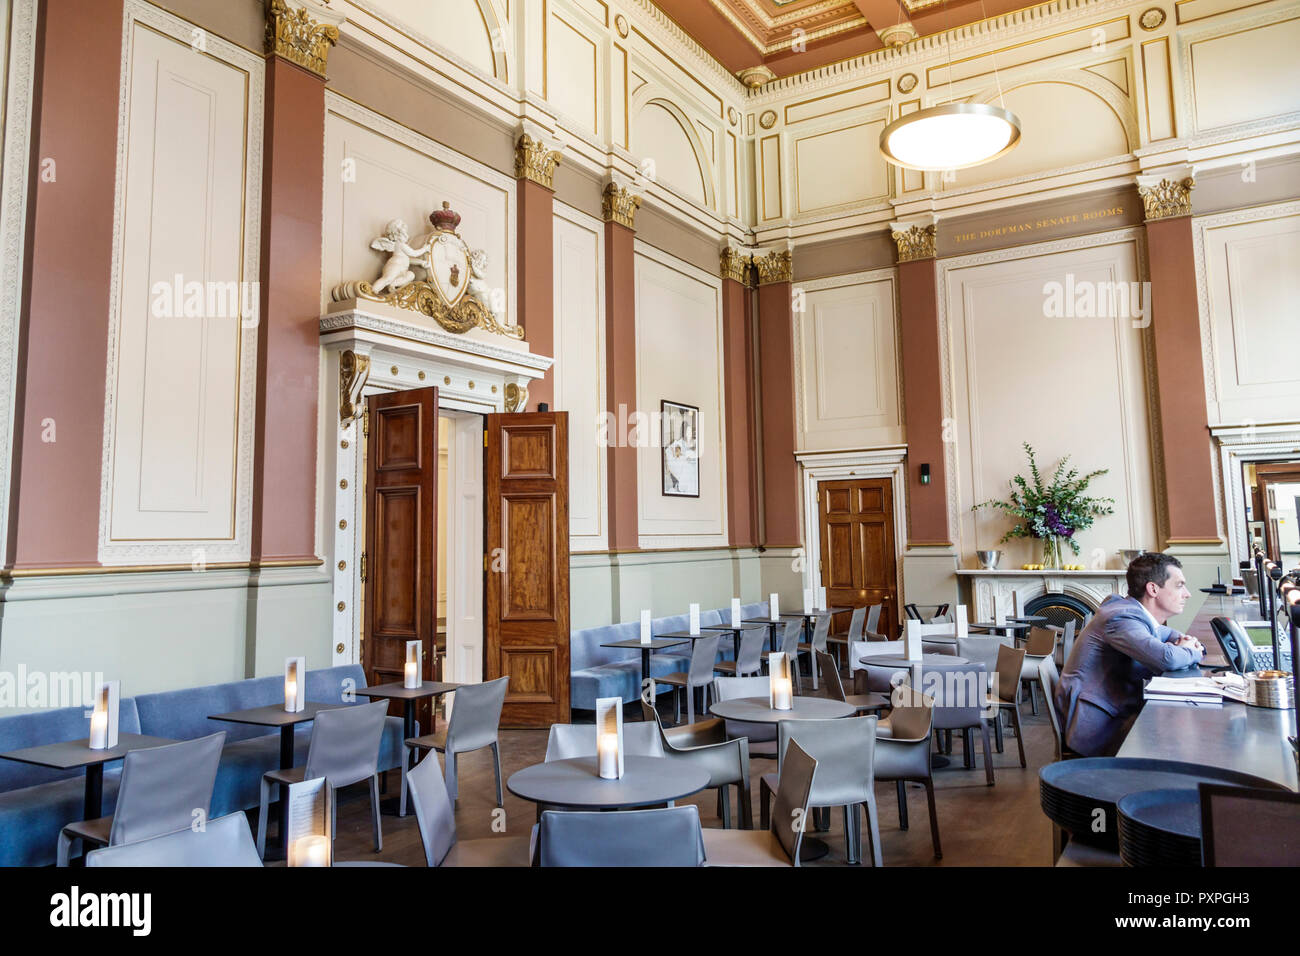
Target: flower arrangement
column 1054, row 510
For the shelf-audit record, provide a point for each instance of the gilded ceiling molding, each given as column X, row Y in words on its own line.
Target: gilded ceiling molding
column 536, row 156
column 619, row 203
column 756, row 77
column 898, row 34
column 774, row 266
column 734, row 264
column 302, row 32
column 915, row 239
column 1167, row 195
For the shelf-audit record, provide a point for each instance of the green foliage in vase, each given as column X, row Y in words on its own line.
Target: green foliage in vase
column 1057, row 508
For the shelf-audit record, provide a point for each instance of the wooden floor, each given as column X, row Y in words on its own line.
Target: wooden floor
column 979, row 825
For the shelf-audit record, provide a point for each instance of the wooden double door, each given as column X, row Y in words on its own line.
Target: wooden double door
column 858, row 558
column 526, row 564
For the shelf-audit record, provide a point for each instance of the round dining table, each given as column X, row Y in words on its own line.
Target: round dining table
column 577, row 783
column 900, row 662
column 758, row 710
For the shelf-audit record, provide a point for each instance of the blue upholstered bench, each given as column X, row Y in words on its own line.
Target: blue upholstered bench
column 35, row 803
column 597, row 671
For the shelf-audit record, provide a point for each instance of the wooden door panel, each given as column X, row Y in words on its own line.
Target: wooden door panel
column 401, row 537
column 859, row 565
column 838, row 501
column 527, row 589
column 838, row 556
column 870, row 501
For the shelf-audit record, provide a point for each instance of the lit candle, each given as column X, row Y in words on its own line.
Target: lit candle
column 807, row 600
column 735, row 612
column 412, row 674
column 291, row 696
column 607, row 750
column 773, row 606
column 781, row 693
column 99, row 730
column 311, row 851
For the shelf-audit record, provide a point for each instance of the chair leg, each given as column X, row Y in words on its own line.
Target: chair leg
column 934, row 819
column 65, row 847
column 850, row 820
column 812, row 666
column 1020, row 736
column 988, row 755
column 690, row 703
column 764, row 806
column 724, row 801
column 496, row 765
column 677, row 706
column 746, row 806
column 967, row 758
column 997, row 731
column 261, row 818
column 873, row 829
column 374, row 813
column 902, row 805
column 449, row 759
column 401, row 800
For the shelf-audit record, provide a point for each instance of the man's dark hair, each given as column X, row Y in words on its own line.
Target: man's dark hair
column 1151, row 566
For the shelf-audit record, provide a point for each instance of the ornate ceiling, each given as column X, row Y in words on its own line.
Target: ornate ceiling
column 780, row 37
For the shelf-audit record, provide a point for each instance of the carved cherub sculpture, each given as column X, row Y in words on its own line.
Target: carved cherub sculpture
column 478, row 287
column 397, row 270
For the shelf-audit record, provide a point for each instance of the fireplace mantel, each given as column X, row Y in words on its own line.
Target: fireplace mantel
column 1091, row 586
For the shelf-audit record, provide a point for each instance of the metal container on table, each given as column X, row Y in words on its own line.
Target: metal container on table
column 1269, row 689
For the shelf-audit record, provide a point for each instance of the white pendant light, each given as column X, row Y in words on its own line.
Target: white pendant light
column 951, row 136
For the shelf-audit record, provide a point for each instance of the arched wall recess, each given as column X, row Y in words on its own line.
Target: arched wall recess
column 651, row 99
column 472, row 30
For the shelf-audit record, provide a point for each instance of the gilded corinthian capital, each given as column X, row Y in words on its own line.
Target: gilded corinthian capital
column 915, row 239
column 773, row 266
column 302, row 32
column 733, row 263
column 619, row 203
column 1167, row 194
column 536, row 156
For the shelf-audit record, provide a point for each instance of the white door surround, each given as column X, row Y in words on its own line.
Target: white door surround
column 819, row 466
column 1238, row 444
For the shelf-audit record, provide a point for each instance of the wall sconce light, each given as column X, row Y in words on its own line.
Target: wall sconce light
column 925, row 474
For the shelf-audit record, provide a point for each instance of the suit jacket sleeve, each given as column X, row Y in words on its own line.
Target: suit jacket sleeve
column 1133, row 636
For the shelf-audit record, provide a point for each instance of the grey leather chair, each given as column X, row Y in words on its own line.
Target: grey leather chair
column 1064, row 640
column 863, row 703
column 778, row 844
column 790, row 647
column 225, row 841
column 704, row 655
column 960, row 696
column 640, row 739
column 725, row 761
column 845, row 753
column 437, row 823
column 1009, row 668
column 475, row 717
column 750, row 660
column 985, row 651
column 1049, row 677
column 821, row 631
column 903, row 753
column 761, row 737
column 857, row 623
column 160, row 791
column 1040, row 643
column 344, row 750
column 670, row 836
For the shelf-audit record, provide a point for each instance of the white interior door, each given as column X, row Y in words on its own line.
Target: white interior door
column 464, row 663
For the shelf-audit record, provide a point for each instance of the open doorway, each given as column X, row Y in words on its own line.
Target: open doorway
column 1272, row 502
column 460, row 545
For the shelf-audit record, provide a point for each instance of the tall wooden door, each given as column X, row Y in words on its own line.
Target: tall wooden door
column 858, row 560
column 526, row 478
column 401, row 536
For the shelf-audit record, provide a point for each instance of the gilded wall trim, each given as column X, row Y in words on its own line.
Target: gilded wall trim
column 733, row 263
column 914, row 242
column 619, row 204
column 535, row 160
column 302, row 32
column 1165, row 198
column 774, row 266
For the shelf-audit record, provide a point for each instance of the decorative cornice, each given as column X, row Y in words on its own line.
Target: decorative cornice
column 536, row 158
column 914, row 241
column 1166, row 196
column 302, row 32
column 733, row 263
column 426, row 335
column 619, row 204
column 774, row 266
column 756, row 77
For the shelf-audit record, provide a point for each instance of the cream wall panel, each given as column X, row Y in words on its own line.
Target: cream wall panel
column 769, row 190
column 1073, row 386
column 397, row 174
column 178, row 426
column 835, row 102
column 1249, row 290
column 572, row 78
column 1088, row 37
column 457, row 25
column 1158, row 89
column 659, row 137
column 847, row 353
column 679, row 349
column 580, row 368
column 1246, row 74
column 839, row 166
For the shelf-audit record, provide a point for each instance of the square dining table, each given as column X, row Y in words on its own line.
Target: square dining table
column 655, row 644
column 69, row 754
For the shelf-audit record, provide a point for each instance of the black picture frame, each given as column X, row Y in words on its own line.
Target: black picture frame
column 677, row 482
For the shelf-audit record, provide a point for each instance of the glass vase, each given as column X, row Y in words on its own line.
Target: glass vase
column 1052, row 552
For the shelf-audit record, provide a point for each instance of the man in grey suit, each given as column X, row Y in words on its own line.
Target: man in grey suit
column 1126, row 642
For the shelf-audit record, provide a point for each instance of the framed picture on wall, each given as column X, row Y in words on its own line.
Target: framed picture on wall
column 681, row 449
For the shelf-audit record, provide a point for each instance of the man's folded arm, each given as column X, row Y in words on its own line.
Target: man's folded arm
column 1135, row 640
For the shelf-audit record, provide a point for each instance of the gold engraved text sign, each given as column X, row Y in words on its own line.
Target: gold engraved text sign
column 1040, row 224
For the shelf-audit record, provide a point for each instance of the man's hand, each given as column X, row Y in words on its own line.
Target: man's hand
column 1186, row 640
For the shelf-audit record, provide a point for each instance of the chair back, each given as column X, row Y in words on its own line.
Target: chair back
column 664, row 837
column 345, row 743
column 750, row 660
column 1234, row 818
column 475, row 714
column 845, row 751
column 225, row 841
column 959, row 692
column 433, row 813
column 731, row 688
column 790, row 814
column 1009, row 663
column 162, row 787
column 982, row 649
column 790, row 639
column 703, row 656
column 821, row 631
column 912, row 715
column 830, row 676
column 873, row 621
column 640, row 739
column 1049, row 677
column 913, row 612
column 857, row 624
column 1040, row 642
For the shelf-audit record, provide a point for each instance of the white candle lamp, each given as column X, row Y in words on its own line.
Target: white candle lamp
column 822, row 603
column 309, row 823
column 807, row 600
column 773, row 607
column 103, row 719
column 646, row 636
column 780, row 682
column 295, row 684
column 912, row 640
column 735, row 612
column 695, row 618
column 609, row 737
column 411, row 677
